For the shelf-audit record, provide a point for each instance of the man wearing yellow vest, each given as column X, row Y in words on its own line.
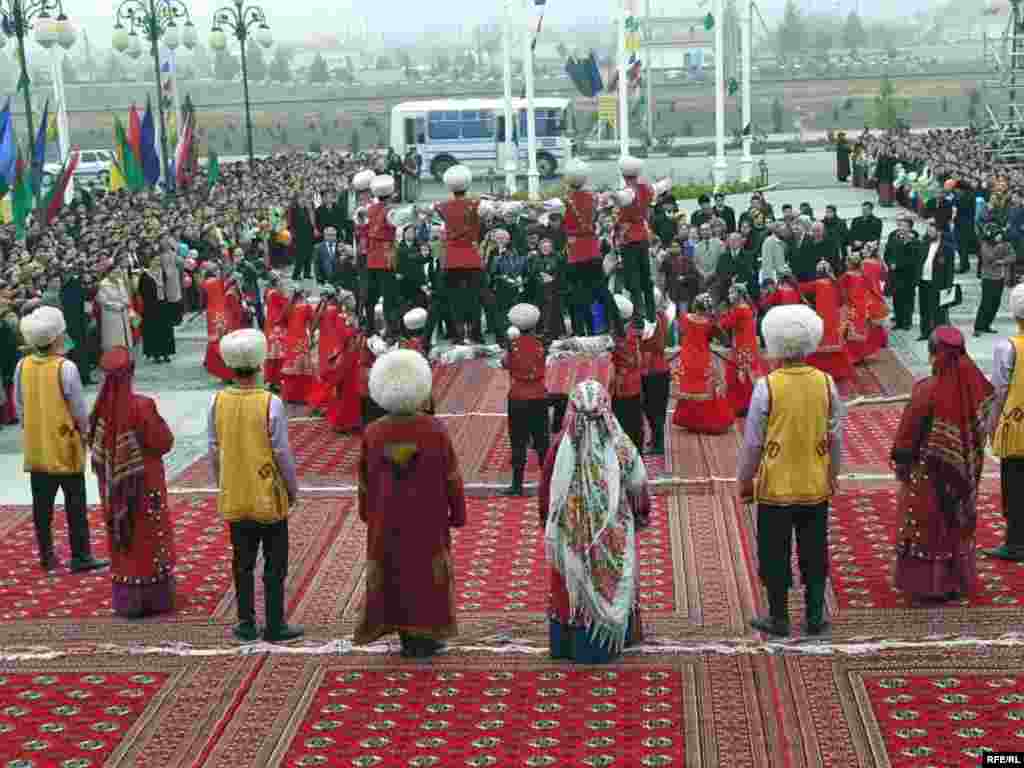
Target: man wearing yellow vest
column 1007, row 430
column 254, row 468
column 790, row 465
column 49, row 402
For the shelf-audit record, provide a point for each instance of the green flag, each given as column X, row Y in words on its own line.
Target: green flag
column 23, row 82
column 709, row 22
column 131, row 165
column 21, row 198
column 212, row 171
column 733, row 86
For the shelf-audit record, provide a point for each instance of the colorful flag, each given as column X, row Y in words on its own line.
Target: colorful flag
column 7, row 150
column 21, row 204
column 131, row 169
column 183, row 152
column 39, row 150
column 213, row 171
column 135, row 134
column 55, row 199
column 150, row 158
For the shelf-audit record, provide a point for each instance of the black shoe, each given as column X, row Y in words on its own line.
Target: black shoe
column 49, row 562
column 818, row 627
column 771, row 626
column 85, row 564
column 990, row 330
column 246, row 632
column 922, row 338
column 283, row 634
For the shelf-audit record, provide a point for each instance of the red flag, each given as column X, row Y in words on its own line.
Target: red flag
column 57, row 194
column 135, row 134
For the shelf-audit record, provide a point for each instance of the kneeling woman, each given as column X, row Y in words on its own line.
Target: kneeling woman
column 127, row 440
column 593, row 498
column 703, row 401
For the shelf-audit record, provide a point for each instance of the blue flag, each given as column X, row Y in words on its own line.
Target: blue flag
column 8, row 152
column 596, row 83
column 150, row 158
column 39, row 150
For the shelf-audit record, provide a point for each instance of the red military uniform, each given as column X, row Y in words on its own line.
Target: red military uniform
column 656, row 382
column 627, row 385
column 580, row 214
column 527, row 404
column 380, row 267
column 462, row 232
column 634, row 237
column 632, row 224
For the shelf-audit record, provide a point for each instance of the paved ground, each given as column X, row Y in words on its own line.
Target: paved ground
column 183, row 390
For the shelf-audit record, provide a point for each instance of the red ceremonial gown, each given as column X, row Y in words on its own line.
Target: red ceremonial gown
column 875, row 275
column 297, row 371
column 274, row 329
column 344, row 412
column 216, row 328
column 832, row 356
column 744, row 365
column 854, row 288
column 328, row 348
column 703, row 405
column 410, row 496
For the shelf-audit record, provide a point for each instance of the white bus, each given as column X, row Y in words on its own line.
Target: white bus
column 472, row 132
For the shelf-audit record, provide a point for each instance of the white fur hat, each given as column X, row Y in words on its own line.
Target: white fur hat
column 631, row 166
column 42, row 326
column 400, row 381
column 524, row 316
column 244, row 350
column 576, row 172
column 362, row 180
column 625, row 306
column 513, row 333
column 415, row 319
column 382, row 186
column 458, row 178
column 1017, row 302
column 792, row 331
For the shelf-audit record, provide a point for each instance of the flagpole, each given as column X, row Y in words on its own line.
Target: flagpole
column 533, row 175
column 622, row 85
column 649, row 85
column 175, row 94
column 511, row 159
column 721, row 166
column 747, row 163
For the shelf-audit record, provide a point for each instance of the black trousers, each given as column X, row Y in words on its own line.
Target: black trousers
column 991, row 297
column 44, row 492
column 528, row 422
column 630, row 413
column 560, row 404
column 303, row 269
column 587, row 285
column 775, row 526
column 928, row 306
column 371, row 411
column 381, row 283
column 636, row 269
column 903, row 287
column 1011, row 476
column 464, row 288
column 247, row 537
column 656, row 391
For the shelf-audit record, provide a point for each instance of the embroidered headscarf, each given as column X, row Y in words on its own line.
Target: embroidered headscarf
column 116, row 454
column 589, row 538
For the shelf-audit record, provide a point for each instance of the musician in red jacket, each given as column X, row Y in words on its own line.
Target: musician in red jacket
column 361, row 186
column 627, row 377
column 656, row 382
column 525, row 361
column 380, row 258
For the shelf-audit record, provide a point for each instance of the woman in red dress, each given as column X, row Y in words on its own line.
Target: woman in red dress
column 854, row 290
column 875, row 275
column 127, row 442
column 344, row 409
column 274, row 329
column 216, row 324
column 832, row 356
column 744, row 365
column 703, row 403
column 297, row 371
column 325, row 325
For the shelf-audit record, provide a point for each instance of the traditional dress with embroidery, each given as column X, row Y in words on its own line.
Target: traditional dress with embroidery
column 328, row 348
column 703, row 404
column 216, row 328
column 274, row 329
column 128, row 439
column 344, row 411
column 832, row 356
column 875, row 275
column 939, row 453
column 593, row 498
column 297, row 371
column 853, row 287
column 744, row 365
column 410, row 496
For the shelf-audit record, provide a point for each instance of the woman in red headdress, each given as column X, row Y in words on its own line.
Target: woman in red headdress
column 744, row 365
column 832, row 356
column 127, row 442
column 938, row 455
column 216, row 325
column 274, row 329
column 344, row 375
column 703, row 404
column 297, row 371
column 875, row 275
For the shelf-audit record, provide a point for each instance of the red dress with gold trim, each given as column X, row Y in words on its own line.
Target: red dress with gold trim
column 297, row 372
column 744, row 365
column 832, row 356
column 216, row 328
column 275, row 331
column 875, row 275
column 703, row 404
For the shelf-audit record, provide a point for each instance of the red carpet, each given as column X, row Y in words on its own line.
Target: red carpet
column 555, row 717
column 862, row 532
column 867, row 439
column 500, row 563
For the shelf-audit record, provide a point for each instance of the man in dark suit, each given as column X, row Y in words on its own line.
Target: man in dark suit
column 936, row 275
column 838, row 235
column 729, row 262
column 865, row 228
column 725, row 212
column 333, row 212
column 329, row 253
column 704, row 214
column 902, row 256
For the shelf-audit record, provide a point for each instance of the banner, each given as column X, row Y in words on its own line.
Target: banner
column 608, row 109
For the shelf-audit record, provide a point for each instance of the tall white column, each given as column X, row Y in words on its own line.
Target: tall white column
column 63, row 128
column 533, row 175
column 175, row 96
column 746, row 22
column 623, row 121
column 721, row 166
column 511, row 160
column 648, row 79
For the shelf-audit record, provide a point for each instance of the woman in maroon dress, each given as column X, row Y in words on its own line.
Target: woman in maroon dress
column 128, row 439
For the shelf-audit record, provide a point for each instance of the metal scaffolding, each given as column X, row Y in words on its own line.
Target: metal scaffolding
column 1003, row 130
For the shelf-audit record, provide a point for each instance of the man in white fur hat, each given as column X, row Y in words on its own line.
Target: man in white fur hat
column 634, row 234
column 1007, row 430
column 253, row 466
column 525, row 362
column 789, row 466
column 414, row 321
column 380, row 259
column 410, row 496
column 626, row 386
column 361, row 230
column 49, row 403
column 587, row 281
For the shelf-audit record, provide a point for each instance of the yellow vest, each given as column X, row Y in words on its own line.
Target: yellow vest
column 1008, row 439
column 52, row 441
column 796, row 459
column 251, row 486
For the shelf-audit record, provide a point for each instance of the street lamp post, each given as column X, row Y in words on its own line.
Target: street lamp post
column 533, row 175
column 240, row 19
column 746, row 22
column 720, row 166
column 16, row 18
column 511, row 116
column 156, row 20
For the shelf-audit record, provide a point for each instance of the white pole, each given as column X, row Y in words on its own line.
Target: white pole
column 721, row 166
column 511, row 160
column 533, row 176
column 175, row 96
column 747, row 163
column 63, row 132
column 648, row 72
column 623, row 122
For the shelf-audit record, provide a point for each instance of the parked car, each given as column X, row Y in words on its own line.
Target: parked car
column 91, row 163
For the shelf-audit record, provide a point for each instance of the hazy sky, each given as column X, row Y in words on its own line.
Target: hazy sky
column 401, row 20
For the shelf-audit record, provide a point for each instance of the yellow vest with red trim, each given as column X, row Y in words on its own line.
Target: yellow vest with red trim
column 52, row 441
column 1008, row 439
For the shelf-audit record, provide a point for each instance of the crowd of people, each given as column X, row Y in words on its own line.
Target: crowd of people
column 755, row 315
